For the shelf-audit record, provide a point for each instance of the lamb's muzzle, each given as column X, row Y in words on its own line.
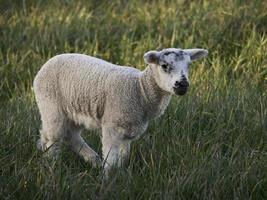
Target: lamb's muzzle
column 181, row 87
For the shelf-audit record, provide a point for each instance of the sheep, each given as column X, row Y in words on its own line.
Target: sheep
column 74, row 91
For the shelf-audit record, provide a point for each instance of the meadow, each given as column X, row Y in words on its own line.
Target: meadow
column 210, row 144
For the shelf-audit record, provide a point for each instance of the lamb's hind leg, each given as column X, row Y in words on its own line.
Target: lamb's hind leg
column 53, row 128
column 80, row 147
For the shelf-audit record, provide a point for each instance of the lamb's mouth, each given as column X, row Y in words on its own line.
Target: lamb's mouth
column 180, row 90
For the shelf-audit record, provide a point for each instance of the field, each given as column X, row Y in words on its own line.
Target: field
column 210, row 144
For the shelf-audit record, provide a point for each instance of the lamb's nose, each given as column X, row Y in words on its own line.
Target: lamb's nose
column 182, row 83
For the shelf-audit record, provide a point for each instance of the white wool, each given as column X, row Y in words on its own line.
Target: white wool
column 75, row 90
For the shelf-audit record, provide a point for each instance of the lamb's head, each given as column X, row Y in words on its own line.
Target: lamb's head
column 170, row 67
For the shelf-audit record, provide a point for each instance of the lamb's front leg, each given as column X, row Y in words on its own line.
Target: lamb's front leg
column 115, row 149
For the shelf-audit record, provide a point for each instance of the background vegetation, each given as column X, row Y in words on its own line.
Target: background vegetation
column 210, row 144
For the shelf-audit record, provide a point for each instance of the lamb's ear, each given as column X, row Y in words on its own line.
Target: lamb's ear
column 196, row 54
column 151, row 57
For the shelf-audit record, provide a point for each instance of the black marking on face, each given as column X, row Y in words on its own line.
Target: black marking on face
column 166, row 68
column 179, row 55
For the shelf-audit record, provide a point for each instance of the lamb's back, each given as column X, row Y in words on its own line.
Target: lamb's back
column 84, row 83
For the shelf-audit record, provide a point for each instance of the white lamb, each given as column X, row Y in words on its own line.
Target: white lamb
column 73, row 90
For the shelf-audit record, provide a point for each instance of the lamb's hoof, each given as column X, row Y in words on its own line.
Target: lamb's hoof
column 97, row 161
column 40, row 145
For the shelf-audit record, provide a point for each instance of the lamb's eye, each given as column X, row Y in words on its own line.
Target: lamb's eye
column 164, row 66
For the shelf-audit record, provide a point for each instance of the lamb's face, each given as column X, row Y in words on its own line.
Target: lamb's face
column 170, row 67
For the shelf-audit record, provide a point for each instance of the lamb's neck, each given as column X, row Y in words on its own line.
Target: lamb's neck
column 155, row 99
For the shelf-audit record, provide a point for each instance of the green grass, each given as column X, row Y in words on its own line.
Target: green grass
column 210, row 144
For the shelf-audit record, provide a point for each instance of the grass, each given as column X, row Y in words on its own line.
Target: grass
column 210, row 144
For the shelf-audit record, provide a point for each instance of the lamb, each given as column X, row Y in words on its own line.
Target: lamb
column 76, row 90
